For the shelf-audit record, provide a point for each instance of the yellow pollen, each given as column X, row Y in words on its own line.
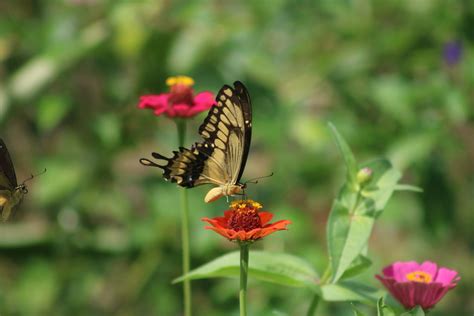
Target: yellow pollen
column 184, row 80
column 245, row 204
column 419, row 276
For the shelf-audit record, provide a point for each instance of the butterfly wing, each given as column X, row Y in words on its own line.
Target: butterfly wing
column 220, row 159
column 8, row 182
column 7, row 171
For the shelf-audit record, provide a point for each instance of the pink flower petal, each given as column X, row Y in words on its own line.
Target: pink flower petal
column 204, row 100
column 159, row 110
column 401, row 269
column 446, row 276
column 154, row 101
column 430, row 268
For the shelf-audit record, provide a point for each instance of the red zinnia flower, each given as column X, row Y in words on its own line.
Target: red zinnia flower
column 244, row 222
column 180, row 101
column 414, row 284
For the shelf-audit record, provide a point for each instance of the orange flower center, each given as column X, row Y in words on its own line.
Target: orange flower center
column 245, row 215
column 419, row 276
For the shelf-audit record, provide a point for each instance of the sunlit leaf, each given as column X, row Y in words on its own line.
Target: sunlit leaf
column 277, row 268
column 353, row 213
column 350, row 291
column 358, row 265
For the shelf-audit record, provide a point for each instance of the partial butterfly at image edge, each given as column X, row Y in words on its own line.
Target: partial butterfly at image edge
column 221, row 157
column 11, row 193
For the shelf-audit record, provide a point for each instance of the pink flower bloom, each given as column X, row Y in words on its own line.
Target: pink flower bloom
column 180, row 101
column 414, row 284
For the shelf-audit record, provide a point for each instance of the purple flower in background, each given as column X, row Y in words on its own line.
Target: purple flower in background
column 452, row 52
column 414, row 284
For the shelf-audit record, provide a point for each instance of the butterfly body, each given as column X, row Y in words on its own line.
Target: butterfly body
column 9, row 199
column 223, row 190
column 220, row 158
column 11, row 193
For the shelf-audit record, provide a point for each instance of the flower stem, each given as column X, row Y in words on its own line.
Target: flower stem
column 181, row 124
column 244, row 269
column 313, row 306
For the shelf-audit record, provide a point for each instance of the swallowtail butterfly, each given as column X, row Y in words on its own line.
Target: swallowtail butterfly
column 220, row 158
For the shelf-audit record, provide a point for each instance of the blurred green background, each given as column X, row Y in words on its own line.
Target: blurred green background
column 99, row 233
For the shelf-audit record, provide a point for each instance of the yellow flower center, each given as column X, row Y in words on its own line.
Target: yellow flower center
column 182, row 80
column 245, row 204
column 419, row 276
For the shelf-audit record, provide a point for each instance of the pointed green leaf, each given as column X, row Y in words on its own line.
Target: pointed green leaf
column 352, row 216
column 384, row 310
column 348, row 156
column 272, row 267
column 347, row 236
column 359, row 265
column 350, row 291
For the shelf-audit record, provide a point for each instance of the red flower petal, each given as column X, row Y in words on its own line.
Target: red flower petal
column 265, row 217
column 221, row 224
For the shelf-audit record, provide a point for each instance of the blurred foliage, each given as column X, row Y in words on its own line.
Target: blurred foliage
column 99, row 234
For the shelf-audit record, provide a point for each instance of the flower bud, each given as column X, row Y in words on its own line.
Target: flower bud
column 364, row 175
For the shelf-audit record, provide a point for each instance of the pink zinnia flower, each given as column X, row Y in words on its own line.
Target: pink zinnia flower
column 180, row 101
column 414, row 284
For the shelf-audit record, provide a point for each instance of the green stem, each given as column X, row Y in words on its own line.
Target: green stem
column 244, row 269
column 313, row 306
column 181, row 124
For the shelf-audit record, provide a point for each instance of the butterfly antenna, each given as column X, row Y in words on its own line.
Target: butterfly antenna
column 255, row 180
column 34, row 175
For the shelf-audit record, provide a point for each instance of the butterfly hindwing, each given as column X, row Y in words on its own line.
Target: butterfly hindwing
column 220, row 159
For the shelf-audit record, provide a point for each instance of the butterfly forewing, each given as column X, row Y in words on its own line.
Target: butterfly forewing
column 7, row 172
column 10, row 196
column 220, row 158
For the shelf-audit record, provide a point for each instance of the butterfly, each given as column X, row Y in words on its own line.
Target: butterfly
column 11, row 193
column 220, row 158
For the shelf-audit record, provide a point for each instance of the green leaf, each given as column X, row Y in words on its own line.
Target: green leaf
column 379, row 190
column 272, row 267
column 417, row 311
column 359, row 265
column 350, row 291
column 384, row 310
column 356, row 311
column 348, row 156
column 353, row 214
column 347, row 236
column 407, row 187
